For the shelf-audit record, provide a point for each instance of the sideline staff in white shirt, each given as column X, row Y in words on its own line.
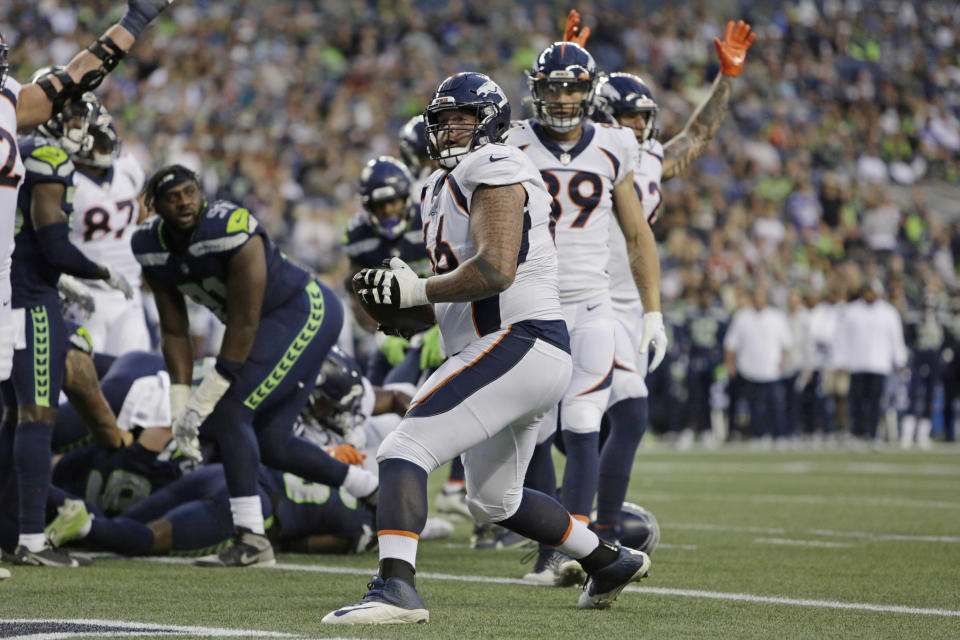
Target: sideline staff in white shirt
column 756, row 348
column 870, row 345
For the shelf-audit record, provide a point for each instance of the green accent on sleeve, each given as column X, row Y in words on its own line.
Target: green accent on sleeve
column 238, row 221
column 51, row 155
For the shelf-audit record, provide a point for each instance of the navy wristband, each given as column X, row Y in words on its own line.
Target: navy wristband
column 134, row 22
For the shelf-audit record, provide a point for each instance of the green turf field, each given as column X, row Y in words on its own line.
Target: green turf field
column 831, row 544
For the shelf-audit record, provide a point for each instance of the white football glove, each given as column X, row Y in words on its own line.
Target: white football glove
column 356, row 436
column 653, row 333
column 75, row 292
column 186, row 428
column 398, row 287
column 118, row 282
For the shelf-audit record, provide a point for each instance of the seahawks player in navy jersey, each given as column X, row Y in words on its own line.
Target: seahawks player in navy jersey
column 280, row 323
column 386, row 227
column 192, row 516
column 41, row 254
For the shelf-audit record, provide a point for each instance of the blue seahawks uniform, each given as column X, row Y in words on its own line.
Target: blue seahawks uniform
column 299, row 318
column 33, row 279
column 198, row 508
column 201, row 273
column 38, row 363
column 368, row 249
column 114, row 480
column 302, row 508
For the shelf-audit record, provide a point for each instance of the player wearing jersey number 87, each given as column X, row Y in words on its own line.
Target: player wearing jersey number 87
column 499, row 314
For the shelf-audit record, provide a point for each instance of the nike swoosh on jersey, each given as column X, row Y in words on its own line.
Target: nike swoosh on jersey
column 592, row 307
column 495, row 159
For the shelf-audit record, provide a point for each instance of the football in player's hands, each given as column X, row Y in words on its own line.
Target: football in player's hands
column 393, row 321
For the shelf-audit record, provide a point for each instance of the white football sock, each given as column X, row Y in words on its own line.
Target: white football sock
column 247, row 513
column 32, row 541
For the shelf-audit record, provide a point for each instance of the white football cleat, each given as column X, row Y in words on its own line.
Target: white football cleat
column 390, row 601
column 607, row 583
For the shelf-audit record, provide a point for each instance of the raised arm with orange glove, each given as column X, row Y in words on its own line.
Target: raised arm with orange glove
column 733, row 50
column 573, row 32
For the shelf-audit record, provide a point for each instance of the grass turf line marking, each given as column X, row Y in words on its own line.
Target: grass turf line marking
column 687, row 593
column 768, row 498
column 865, row 535
column 124, row 628
column 805, row 543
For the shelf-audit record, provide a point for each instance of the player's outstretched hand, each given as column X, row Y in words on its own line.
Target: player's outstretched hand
column 398, row 286
column 733, row 50
column 75, row 292
column 186, row 428
column 573, row 32
column 116, row 280
column 655, row 334
column 140, row 13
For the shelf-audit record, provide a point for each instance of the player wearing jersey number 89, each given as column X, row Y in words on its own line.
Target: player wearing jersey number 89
column 588, row 169
column 498, row 309
column 623, row 98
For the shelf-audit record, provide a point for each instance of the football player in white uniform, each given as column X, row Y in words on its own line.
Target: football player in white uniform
column 106, row 213
column 486, row 221
column 589, row 171
column 625, row 99
column 25, row 107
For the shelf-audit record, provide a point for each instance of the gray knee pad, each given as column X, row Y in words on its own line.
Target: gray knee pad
column 487, row 509
column 400, row 445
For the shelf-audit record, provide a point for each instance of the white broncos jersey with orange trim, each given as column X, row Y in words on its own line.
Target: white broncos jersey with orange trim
column 581, row 181
column 646, row 180
column 445, row 211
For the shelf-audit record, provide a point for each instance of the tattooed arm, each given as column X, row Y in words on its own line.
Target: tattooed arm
column 689, row 144
column 686, row 147
column 83, row 390
column 496, row 224
column 641, row 247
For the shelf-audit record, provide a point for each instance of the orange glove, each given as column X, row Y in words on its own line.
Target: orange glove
column 733, row 50
column 573, row 33
column 347, row 453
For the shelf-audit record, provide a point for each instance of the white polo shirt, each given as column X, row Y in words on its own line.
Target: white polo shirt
column 758, row 339
column 869, row 339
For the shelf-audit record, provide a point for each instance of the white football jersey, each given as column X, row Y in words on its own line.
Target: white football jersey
column 105, row 215
column 11, row 177
column 580, row 181
column 646, row 180
column 446, row 226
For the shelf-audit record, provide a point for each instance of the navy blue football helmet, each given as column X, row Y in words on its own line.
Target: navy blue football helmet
column 88, row 121
column 413, row 143
column 468, row 91
column 639, row 529
column 624, row 94
column 383, row 179
column 4, row 52
column 562, row 65
column 335, row 400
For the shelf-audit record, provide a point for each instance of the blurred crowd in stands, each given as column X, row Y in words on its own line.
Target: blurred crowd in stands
column 837, row 171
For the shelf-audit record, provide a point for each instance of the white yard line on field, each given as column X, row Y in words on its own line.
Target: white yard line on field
column 686, row 593
column 865, row 535
column 767, row 498
column 804, row 543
